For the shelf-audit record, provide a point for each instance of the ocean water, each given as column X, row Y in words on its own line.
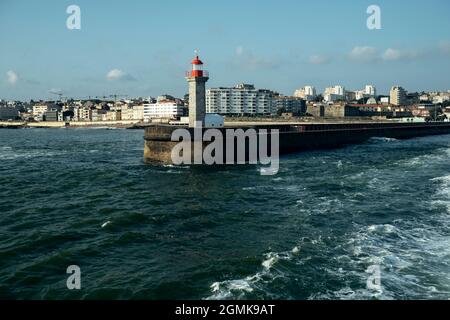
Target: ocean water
column 84, row 197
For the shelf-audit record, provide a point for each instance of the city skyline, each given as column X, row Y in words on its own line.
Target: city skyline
column 144, row 49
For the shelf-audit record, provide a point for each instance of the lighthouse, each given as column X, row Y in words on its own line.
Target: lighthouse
column 197, row 78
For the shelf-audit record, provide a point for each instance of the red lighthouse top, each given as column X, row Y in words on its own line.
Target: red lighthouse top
column 197, row 61
column 197, row 69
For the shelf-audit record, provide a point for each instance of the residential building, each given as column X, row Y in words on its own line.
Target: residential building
column 8, row 112
column 350, row 95
column 165, row 97
column 39, row 110
column 398, row 96
column 133, row 112
column 343, row 110
column 113, row 115
column 360, row 94
column 294, row 105
column 384, row 100
column 82, row 114
column 307, row 93
column 99, row 115
column 370, row 91
column 412, row 98
column 243, row 99
column 441, row 98
column 424, row 98
column 163, row 109
column 336, row 93
column 52, row 115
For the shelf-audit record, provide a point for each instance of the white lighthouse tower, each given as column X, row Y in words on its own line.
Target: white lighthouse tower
column 197, row 78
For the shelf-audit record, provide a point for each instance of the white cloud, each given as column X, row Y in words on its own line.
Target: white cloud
column 116, row 75
column 364, row 54
column 396, row 55
column 245, row 59
column 392, row 54
column 370, row 54
column 316, row 59
column 12, row 77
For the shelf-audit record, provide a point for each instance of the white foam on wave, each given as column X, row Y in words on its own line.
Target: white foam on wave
column 270, row 261
column 385, row 228
column 407, row 261
column 233, row 288
column 238, row 288
column 382, row 139
column 348, row 293
column 10, row 154
column 296, row 250
column 442, row 196
column 106, row 224
column 425, row 160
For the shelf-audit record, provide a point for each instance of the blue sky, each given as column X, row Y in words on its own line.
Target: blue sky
column 145, row 46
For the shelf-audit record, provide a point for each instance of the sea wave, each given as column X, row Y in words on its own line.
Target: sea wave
column 11, row 154
column 442, row 195
column 239, row 288
column 382, row 140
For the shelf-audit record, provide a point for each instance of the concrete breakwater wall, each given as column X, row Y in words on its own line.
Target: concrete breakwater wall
column 295, row 137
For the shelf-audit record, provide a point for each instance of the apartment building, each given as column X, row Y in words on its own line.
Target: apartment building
column 307, row 93
column 163, row 109
column 398, row 96
column 243, row 99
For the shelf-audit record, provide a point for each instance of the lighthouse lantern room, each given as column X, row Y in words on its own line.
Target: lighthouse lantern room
column 197, row 69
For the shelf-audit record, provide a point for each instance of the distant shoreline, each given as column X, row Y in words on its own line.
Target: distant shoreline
column 69, row 125
column 134, row 124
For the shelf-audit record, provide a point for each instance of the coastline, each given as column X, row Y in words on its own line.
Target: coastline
column 125, row 124
column 137, row 124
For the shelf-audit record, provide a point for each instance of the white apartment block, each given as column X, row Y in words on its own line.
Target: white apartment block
column 243, row 99
column 370, row 90
column 360, row 94
column 307, row 93
column 82, row 114
column 385, row 100
column 336, row 90
column 440, row 99
column 163, row 109
column 335, row 93
column 39, row 110
column 133, row 113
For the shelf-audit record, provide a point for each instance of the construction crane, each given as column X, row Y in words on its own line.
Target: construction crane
column 59, row 94
column 115, row 96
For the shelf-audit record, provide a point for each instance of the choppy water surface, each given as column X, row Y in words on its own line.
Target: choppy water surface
column 310, row 232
